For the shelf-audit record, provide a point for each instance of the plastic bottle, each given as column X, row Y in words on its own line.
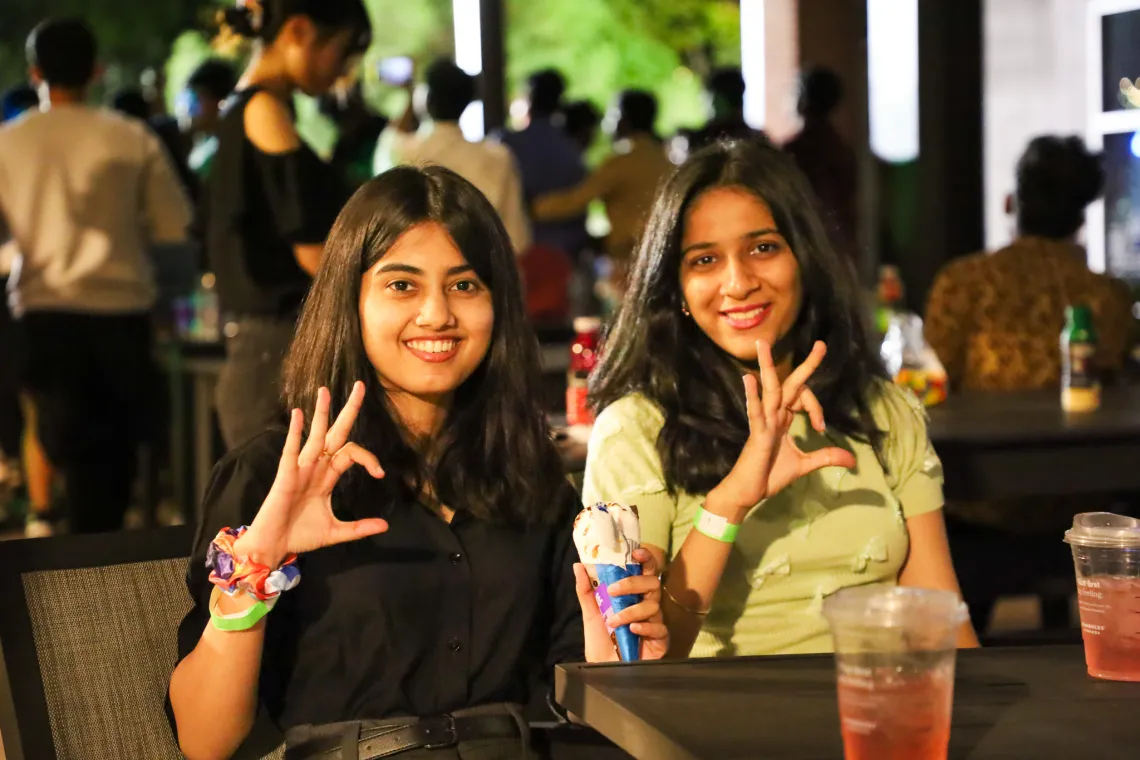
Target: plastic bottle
column 888, row 297
column 911, row 361
column 207, row 317
column 583, row 359
column 1080, row 386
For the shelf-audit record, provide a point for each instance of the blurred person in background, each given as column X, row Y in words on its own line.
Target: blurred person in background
column 85, row 193
column 825, row 157
column 625, row 182
column 270, row 202
column 994, row 320
column 359, row 129
column 580, row 121
column 152, row 84
column 428, row 133
column 548, row 160
column 724, row 96
column 199, row 111
column 131, row 102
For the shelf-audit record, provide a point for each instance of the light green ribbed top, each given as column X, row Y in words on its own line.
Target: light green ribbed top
column 829, row 530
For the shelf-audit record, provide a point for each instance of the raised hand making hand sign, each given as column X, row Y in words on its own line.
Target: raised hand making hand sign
column 771, row 460
column 297, row 515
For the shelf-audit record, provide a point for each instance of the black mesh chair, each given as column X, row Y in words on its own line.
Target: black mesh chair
column 87, row 642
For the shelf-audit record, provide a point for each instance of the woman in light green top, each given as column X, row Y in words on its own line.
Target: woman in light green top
column 735, row 276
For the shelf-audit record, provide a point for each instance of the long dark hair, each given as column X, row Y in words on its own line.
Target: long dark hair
column 653, row 349
column 494, row 456
column 329, row 16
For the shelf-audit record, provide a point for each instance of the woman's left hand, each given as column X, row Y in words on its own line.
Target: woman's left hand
column 644, row 618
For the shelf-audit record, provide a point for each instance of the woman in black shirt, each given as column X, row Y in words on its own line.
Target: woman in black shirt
column 270, row 201
column 439, row 577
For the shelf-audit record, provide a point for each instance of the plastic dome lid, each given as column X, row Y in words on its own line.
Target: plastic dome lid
column 1104, row 530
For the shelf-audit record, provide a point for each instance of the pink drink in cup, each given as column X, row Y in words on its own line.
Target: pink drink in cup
column 1106, row 556
column 894, row 660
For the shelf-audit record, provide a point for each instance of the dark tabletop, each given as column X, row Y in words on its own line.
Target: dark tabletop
column 1017, row 418
column 1022, row 444
column 1020, row 702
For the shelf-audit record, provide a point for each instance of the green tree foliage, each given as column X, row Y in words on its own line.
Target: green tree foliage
column 603, row 46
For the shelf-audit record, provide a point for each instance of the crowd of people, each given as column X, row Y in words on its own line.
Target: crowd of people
column 380, row 400
column 253, row 205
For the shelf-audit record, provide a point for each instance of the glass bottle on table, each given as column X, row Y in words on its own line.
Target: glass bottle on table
column 888, row 297
column 207, row 310
column 583, row 359
column 1080, row 385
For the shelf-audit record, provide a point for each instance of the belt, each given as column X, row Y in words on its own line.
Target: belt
column 371, row 739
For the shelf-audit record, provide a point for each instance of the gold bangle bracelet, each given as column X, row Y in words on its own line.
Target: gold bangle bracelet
column 682, row 607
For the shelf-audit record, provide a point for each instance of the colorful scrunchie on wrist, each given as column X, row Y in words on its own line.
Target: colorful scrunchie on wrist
column 232, row 573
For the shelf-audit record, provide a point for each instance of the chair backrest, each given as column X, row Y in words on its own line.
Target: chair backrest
column 88, row 640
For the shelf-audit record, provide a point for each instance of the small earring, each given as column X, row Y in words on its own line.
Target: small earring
column 685, row 310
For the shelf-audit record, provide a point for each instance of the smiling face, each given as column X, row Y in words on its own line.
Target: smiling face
column 425, row 316
column 739, row 278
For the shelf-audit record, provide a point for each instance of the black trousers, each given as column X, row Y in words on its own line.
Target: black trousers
column 11, row 416
column 249, row 387
column 92, row 380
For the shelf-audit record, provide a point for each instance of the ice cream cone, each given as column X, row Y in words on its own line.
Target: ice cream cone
column 628, row 642
column 606, row 536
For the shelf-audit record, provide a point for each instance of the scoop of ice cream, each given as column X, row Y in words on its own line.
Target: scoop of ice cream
column 607, row 534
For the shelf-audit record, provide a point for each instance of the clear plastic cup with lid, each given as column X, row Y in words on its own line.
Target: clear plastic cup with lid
column 1106, row 554
column 894, row 663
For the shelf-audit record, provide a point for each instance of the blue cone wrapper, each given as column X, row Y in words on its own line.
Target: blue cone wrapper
column 628, row 642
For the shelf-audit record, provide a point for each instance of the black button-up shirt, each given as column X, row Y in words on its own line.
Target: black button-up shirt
column 427, row 618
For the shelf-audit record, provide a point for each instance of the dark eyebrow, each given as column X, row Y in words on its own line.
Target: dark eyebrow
column 746, row 236
column 405, row 268
column 409, row 269
column 760, row 233
column 696, row 247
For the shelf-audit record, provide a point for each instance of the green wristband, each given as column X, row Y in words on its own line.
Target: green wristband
column 715, row 526
column 241, row 621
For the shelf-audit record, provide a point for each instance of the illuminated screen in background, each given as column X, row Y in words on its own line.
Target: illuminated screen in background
column 1122, row 205
column 1120, row 59
column 1120, row 93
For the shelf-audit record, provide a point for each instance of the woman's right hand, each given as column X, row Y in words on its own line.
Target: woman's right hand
column 770, row 460
column 297, row 514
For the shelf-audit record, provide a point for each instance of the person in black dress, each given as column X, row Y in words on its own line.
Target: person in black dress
column 269, row 200
column 439, row 575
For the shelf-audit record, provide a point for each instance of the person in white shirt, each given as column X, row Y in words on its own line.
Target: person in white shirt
column 85, row 194
column 490, row 166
